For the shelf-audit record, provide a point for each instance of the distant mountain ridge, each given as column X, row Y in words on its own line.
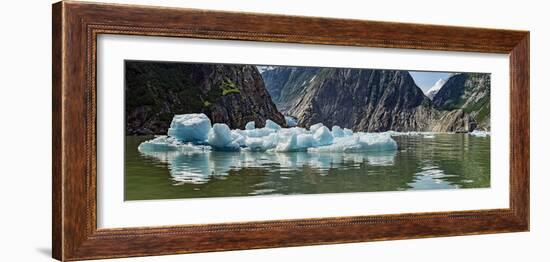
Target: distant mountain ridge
column 377, row 100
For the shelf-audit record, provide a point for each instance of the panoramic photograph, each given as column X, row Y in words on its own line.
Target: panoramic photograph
column 199, row 130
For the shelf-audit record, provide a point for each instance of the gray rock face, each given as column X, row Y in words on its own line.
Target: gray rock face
column 231, row 94
column 364, row 100
column 455, row 121
column 469, row 92
column 375, row 101
column 285, row 83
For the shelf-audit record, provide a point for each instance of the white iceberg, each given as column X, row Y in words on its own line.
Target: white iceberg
column 250, row 125
column 359, row 142
column 169, row 144
column 291, row 121
column 304, row 141
column 261, row 144
column 337, row 131
column 348, row 132
column 254, row 143
column 288, row 145
column 314, row 128
column 323, row 136
column 272, row 125
column 290, row 148
column 292, row 130
column 221, row 138
column 190, row 127
column 238, row 137
column 160, row 143
column 258, row 132
column 480, row 133
column 194, row 133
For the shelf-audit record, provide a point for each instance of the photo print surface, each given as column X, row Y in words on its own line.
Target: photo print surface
column 197, row 130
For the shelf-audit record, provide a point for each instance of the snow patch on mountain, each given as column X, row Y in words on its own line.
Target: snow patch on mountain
column 435, row 88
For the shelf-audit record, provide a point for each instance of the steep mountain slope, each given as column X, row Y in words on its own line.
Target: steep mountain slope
column 231, row 94
column 285, row 83
column 365, row 100
column 469, row 92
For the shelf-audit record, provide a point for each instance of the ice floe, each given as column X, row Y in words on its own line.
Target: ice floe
column 221, row 138
column 194, row 132
column 250, row 125
column 480, row 133
column 272, row 125
column 291, row 121
column 190, row 127
column 359, row 142
column 314, row 128
column 338, row 131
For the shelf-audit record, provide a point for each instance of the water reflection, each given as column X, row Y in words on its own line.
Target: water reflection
column 444, row 161
column 200, row 167
column 431, row 177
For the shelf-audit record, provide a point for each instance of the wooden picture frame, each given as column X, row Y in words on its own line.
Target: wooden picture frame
column 76, row 26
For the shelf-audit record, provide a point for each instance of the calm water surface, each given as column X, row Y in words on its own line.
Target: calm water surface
column 444, row 161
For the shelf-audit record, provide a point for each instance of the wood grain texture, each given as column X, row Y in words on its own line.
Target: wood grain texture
column 76, row 26
column 57, row 195
column 519, row 129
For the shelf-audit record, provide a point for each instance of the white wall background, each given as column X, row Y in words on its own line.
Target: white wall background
column 25, row 119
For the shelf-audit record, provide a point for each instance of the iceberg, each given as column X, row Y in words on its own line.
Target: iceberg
column 359, row 142
column 258, row 132
column 292, row 130
column 272, row 125
column 290, row 144
column 480, row 133
column 323, row 136
column 250, row 125
column 261, row 144
column 194, row 133
column 190, row 127
column 337, row 131
column 314, row 128
column 238, row 137
column 221, row 138
column 304, row 141
column 188, row 151
column 348, row 132
column 160, row 144
column 255, row 143
column 169, row 144
column 291, row 121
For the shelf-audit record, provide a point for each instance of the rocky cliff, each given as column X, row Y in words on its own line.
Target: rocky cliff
column 285, row 83
column 231, row 94
column 364, row 100
column 378, row 100
column 469, row 92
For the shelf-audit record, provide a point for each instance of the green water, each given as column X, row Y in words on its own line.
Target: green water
column 446, row 161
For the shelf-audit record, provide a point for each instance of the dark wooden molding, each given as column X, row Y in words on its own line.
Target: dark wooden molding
column 76, row 26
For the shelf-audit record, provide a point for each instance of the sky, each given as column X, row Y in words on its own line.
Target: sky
column 425, row 80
